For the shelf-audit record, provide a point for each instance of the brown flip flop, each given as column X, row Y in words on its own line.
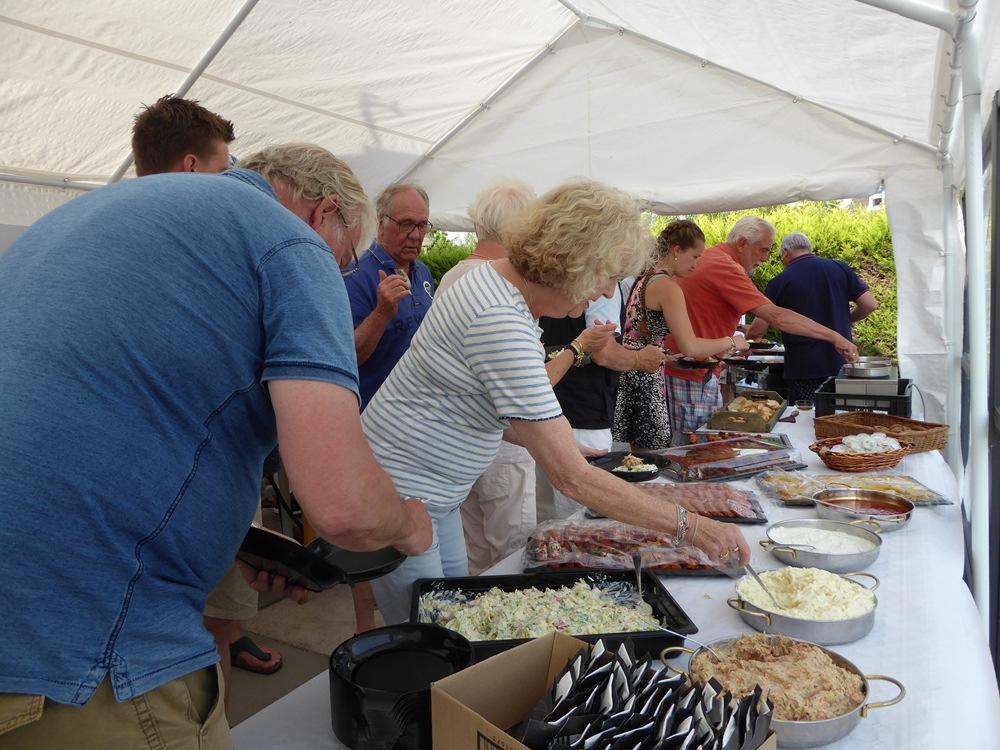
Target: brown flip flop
column 243, row 646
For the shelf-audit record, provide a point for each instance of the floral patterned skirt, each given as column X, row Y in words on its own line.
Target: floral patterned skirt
column 642, row 418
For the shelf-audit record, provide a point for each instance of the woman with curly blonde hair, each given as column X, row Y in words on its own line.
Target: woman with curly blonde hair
column 475, row 375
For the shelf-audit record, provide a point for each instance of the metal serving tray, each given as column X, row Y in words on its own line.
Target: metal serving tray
column 651, row 642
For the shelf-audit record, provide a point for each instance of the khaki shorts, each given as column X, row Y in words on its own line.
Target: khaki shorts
column 185, row 713
column 232, row 598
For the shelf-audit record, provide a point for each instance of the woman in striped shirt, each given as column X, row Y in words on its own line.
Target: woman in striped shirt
column 475, row 375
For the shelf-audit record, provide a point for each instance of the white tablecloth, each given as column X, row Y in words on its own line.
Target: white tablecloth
column 927, row 634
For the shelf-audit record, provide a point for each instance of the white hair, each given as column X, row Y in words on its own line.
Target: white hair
column 750, row 228
column 383, row 205
column 313, row 173
column 795, row 242
column 495, row 205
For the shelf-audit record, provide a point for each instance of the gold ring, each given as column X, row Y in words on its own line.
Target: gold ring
column 724, row 555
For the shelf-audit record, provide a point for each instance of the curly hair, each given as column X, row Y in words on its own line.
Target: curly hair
column 172, row 127
column 579, row 237
column 683, row 233
column 312, row 172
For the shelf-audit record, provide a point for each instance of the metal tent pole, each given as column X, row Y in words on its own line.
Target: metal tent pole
column 954, row 275
column 197, row 70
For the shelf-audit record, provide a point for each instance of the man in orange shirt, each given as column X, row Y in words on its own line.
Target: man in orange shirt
column 718, row 293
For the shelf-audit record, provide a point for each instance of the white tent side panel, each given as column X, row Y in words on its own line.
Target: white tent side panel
column 915, row 206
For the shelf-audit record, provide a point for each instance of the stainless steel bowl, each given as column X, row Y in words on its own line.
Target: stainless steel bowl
column 828, row 632
column 868, row 367
column 811, row 733
column 848, row 505
column 798, row 557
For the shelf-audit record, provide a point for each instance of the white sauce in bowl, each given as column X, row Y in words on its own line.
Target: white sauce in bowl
column 824, row 541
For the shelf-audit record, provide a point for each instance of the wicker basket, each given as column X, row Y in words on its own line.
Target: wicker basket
column 857, row 461
column 922, row 436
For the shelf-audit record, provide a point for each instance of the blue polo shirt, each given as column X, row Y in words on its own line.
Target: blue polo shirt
column 138, row 325
column 821, row 289
column 362, row 290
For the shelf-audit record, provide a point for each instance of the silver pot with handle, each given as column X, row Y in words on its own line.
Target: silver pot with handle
column 883, row 510
column 801, row 734
column 827, row 632
column 868, row 367
column 800, row 556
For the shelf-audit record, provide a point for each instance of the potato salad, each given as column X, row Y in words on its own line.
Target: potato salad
column 529, row 613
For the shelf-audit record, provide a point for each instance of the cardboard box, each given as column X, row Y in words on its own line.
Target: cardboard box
column 472, row 709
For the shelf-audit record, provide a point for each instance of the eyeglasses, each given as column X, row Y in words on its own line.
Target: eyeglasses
column 355, row 266
column 406, row 227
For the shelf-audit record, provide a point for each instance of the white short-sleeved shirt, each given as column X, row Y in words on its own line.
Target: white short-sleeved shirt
column 476, row 362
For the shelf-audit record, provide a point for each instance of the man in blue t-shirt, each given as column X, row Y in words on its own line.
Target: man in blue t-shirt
column 157, row 336
column 390, row 290
column 821, row 289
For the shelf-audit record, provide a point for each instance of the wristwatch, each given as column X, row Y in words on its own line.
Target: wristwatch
column 579, row 358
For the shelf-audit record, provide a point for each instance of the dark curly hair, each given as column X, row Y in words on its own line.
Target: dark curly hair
column 684, row 233
column 164, row 132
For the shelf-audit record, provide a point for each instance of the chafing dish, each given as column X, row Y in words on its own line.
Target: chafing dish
column 799, row 734
column 828, row 632
column 800, row 557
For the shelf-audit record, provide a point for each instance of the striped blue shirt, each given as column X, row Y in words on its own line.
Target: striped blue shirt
column 475, row 363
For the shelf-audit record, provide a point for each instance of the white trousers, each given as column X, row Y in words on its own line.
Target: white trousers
column 551, row 503
column 500, row 511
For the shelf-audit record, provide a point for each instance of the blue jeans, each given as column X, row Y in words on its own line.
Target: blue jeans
column 445, row 557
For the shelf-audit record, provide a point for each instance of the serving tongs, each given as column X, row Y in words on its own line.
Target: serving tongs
column 637, row 562
column 735, row 570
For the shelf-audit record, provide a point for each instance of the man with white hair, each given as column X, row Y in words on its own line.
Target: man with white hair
column 390, row 290
column 718, row 293
column 150, row 364
column 822, row 289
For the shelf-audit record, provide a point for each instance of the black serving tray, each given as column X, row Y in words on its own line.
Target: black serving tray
column 610, row 460
column 651, row 642
column 318, row 566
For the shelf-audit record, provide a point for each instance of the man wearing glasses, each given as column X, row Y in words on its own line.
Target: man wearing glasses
column 390, row 290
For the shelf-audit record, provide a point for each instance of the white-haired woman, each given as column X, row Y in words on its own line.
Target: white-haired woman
column 475, row 374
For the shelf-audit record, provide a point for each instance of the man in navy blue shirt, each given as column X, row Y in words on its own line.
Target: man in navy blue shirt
column 821, row 289
column 390, row 290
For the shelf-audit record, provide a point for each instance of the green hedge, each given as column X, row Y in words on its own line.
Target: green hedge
column 441, row 254
column 857, row 236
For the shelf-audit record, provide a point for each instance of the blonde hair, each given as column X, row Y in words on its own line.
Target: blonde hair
column 311, row 172
column 578, row 237
column 497, row 204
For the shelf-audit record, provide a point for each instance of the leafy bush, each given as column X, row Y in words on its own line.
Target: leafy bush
column 855, row 235
column 441, row 254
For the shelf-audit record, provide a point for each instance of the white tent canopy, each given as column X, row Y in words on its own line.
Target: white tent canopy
column 693, row 106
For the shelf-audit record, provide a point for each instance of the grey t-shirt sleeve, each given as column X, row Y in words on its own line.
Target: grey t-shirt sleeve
column 306, row 318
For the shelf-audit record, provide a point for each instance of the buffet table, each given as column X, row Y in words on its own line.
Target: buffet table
column 927, row 632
